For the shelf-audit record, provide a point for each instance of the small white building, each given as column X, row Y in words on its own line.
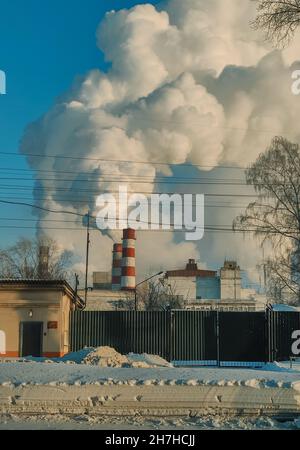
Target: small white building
column 101, row 297
column 107, row 300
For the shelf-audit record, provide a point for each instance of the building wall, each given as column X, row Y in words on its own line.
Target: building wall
column 67, row 306
column 106, row 300
column 50, row 307
column 208, row 288
column 102, row 280
column 230, row 284
column 183, row 286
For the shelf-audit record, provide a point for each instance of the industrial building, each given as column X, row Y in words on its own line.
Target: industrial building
column 196, row 288
column 206, row 289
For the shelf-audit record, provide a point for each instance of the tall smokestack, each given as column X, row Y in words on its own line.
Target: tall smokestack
column 43, row 267
column 116, row 267
column 128, row 282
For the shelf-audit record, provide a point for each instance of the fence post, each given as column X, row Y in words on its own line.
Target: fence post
column 268, row 339
column 171, row 343
column 271, row 335
column 218, row 339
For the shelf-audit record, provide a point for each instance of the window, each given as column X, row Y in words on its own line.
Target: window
column 2, row 343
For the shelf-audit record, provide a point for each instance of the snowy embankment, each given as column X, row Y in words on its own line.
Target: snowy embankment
column 60, row 374
column 104, row 383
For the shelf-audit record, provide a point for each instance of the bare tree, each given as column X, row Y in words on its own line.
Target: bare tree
column 126, row 304
column 155, row 296
column 278, row 18
column 283, row 279
column 275, row 216
column 23, row 260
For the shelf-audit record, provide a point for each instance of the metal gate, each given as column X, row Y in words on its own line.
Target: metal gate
column 242, row 337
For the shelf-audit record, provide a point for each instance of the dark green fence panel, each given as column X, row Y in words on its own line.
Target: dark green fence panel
column 281, row 326
column 242, row 337
column 194, row 336
column 126, row 331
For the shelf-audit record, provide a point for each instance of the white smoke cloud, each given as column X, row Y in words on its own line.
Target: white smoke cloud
column 189, row 82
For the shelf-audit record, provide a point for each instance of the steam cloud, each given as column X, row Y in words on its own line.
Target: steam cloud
column 189, row 82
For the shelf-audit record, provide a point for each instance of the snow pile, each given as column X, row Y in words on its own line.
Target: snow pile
column 285, row 308
column 144, row 360
column 109, row 357
column 105, row 357
column 101, row 357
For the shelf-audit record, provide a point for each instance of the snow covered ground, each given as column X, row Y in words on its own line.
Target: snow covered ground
column 100, row 389
column 86, row 422
column 37, row 373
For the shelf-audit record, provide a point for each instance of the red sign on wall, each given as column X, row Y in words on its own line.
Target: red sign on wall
column 52, row 325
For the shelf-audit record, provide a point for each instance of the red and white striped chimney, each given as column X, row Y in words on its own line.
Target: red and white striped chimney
column 116, row 267
column 128, row 282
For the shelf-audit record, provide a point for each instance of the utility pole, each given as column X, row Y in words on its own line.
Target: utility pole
column 76, row 284
column 87, row 258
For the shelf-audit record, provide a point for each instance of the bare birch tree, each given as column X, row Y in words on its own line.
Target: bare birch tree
column 279, row 19
column 275, row 216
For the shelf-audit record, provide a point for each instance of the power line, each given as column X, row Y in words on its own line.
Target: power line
column 41, row 208
column 171, row 229
column 151, row 163
column 75, row 201
column 170, row 180
column 207, row 228
column 88, row 173
column 21, row 219
column 109, row 191
column 140, row 179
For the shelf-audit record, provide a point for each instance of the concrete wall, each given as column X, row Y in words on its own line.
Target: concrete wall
column 230, row 284
column 46, row 306
column 183, row 286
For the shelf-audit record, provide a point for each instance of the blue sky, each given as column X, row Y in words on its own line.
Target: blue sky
column 43, row 47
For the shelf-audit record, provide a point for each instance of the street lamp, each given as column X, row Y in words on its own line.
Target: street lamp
column 139, row 284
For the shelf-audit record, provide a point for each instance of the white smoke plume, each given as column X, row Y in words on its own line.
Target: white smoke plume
column 189, row 82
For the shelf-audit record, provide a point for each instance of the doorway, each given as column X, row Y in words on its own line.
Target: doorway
column 31, row 339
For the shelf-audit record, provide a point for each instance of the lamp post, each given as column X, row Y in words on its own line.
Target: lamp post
column 87, row 258
column 139, row 284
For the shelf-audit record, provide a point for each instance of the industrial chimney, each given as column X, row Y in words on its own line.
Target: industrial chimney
column 43, row 267
column 128, row 282
column 116, row 267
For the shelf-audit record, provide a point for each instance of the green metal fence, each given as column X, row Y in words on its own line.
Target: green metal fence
column 205, row 337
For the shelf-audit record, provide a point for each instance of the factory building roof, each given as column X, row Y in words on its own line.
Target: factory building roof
column 191, row 270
